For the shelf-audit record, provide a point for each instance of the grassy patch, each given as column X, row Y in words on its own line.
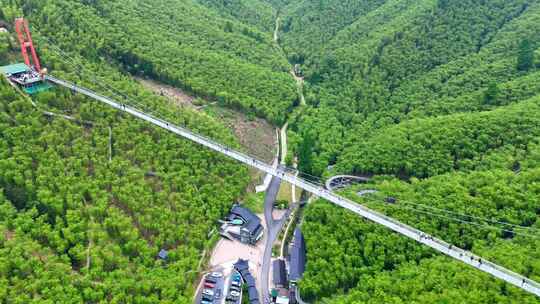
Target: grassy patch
column 254, row 202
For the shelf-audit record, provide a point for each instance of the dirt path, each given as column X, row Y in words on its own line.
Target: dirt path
column 299, row 80
column 299, row 87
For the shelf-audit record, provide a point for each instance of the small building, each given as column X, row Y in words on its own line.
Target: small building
column 249, row 232
column 297, row 261
column 26, row 78
column 242, row 267
column 279, row 273
column 163, row 254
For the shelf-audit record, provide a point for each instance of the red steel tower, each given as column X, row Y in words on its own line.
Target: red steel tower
column 25, row 39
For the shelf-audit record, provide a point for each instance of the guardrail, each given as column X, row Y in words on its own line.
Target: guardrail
column 413, row 233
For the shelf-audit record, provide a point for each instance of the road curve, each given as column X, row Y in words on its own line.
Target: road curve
column 337, row 181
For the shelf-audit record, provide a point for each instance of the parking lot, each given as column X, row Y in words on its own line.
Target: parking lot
column 211, row 289
column 222, row 286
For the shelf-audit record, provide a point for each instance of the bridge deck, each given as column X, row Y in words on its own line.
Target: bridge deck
column 415, row 234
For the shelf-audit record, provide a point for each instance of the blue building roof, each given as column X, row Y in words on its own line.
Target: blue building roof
column 163, row 254
column 14, row 69
column 242, row 266
column 279, row 272
column 253, row 294
column 244, row 213
column 298, row 256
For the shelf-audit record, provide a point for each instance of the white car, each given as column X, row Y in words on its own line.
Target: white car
column 216, row 274
column 208, row 292
column 235, row 293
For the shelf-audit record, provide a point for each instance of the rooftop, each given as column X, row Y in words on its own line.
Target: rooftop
column 298, row 256
column 279, row 272
column 14, row 69
column 244, row 213
column 163, row 254
column 242, row 266
column 252, row 221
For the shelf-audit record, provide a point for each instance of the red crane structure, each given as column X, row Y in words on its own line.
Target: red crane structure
column 25, row 39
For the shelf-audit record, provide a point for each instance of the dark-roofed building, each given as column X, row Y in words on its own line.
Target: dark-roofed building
column 279, row 273
column 242, row 267
column 249, row 279
column 297, row 261
column 253, row 294
column 249, row 232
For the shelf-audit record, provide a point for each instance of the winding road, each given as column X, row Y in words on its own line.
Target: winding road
column 342, row 181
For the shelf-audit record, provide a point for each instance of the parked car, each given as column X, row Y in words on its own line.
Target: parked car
column 206, row 302
column 235, row 293
column 209, row 279
column 216, row 274
column 208, row 292
column 234, row 288
column 209, row 285
column 235, row 283
column 207, row 298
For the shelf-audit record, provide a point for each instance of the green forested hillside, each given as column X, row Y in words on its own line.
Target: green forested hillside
column 439, row 99
column 254, row 12
column 374, row 265
column 98, row 222
column 78, row 227
column 432, row 146
column 181, row 43
column 308, row 26
column 84, row 210
column 442, row 94
column 393, row 64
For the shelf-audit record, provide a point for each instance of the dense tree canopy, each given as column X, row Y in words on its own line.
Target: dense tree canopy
column 439, row 99
column 441, row 94
column 181, row 43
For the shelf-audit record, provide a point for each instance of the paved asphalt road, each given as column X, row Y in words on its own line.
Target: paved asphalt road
column 273, row 228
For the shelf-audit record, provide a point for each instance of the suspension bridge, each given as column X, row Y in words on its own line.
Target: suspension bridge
column 320, row 191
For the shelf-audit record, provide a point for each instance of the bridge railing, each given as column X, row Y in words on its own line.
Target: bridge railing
column 283, row 173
